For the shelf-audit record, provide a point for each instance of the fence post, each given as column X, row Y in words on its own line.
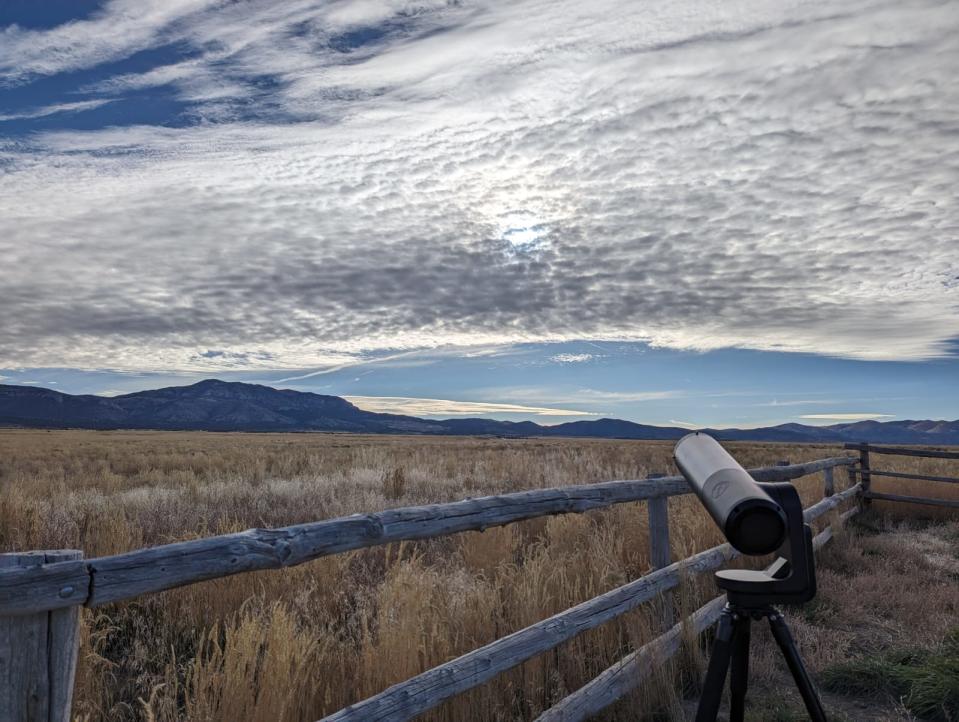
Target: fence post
column 864, row 473
column 659, row 552
column 38, row 652
column 828, row 485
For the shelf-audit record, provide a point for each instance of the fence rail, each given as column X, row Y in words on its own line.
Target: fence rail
column 918, row 477
column 951, row 503
column 423, row 692
column 866, row 473
column 46, row 591
column 901, row 451
column 93, row 582
column 620, row 679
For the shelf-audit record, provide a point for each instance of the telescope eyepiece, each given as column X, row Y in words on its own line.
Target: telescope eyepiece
column 751, row 521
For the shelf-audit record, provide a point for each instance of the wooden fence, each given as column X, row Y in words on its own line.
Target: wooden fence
column 867, row 472
column 41, row 592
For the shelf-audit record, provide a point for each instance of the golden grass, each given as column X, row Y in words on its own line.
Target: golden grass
column 885, row 585
column 299, row 643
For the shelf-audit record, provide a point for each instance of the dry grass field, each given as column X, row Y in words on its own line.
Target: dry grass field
column 296, row 644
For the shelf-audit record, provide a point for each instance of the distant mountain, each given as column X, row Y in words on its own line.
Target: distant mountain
column 214, row 405
column 209, row 405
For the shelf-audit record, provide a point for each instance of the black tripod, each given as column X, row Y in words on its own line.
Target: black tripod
column 750, row 595
column 731, row 650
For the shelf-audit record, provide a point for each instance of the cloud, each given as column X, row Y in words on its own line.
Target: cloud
column 590, row 396
column 445, row 407
column 623, row 396
column 847, row 417
column 46, row 110
column 121, row 28
column 685, row 424
column 572, row 358
column 766, row 176
column 398, row 359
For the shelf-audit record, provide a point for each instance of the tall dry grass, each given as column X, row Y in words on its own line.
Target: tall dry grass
column 299, row 643
column 912, row 487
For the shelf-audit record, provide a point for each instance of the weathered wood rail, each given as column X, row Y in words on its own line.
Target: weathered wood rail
column 93, row 582
column 38, row 652
column 45, row 593
column 619, row 680
column 866, row 473
column 424, row 691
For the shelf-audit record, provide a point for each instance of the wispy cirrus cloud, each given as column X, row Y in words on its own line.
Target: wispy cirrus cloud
column 847, row 417
column 770, row 176
column 121, row 28
column 447, row 407
column 584, row 395
column 46, row 110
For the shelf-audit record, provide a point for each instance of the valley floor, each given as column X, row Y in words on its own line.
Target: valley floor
column 296, row 644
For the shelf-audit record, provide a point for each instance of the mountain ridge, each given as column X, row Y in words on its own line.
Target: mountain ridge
column 214, row 405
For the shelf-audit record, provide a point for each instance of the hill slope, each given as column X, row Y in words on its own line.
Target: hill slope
column 214, row 405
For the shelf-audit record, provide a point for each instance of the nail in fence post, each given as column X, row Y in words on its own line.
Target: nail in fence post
column 659, row 552
column 38, row 652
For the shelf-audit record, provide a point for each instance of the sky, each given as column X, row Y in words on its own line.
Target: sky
column 685, row 213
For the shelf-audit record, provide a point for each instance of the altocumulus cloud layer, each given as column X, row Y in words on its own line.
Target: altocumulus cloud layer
column 346, row 177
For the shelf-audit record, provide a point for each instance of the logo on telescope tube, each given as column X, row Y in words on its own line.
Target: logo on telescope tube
column 719, row 488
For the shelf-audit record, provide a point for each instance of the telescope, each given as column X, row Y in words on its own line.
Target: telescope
column 752, row 522
column 757, row 519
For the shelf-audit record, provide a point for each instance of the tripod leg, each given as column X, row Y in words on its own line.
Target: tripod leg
column 739, row 670
column 788, row 647
column 716, row 674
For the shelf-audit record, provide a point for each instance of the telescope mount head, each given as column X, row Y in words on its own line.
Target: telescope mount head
column 791, row 579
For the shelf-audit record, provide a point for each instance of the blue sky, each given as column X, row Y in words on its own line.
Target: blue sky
column 581, row 380
column 726, row 214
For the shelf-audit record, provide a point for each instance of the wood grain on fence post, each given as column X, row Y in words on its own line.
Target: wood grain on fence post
column 828, row 485
column 864, row 475
column 38, row 652
column 659, row 551
column 658, row 508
